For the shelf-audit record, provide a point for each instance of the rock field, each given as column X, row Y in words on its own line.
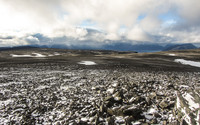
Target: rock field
column 87, row 96
column 80, row 87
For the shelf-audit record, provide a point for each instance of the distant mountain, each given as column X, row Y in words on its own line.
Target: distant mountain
column 17, row 48
column 4, row 48
column 147, row 47
column 179, row 47
column 131, row 47
column 114, row 46
column 118, row 46
column 58, row 46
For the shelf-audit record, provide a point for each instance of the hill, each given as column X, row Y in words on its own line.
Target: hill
column 17, row 48
column 179, row 47
column 98, row 86
column 136, row 47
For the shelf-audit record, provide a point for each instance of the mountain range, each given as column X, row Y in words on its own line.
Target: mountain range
column 115, row 46
column 179, row 47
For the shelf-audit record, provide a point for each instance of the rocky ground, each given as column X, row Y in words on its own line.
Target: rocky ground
column 53, row 92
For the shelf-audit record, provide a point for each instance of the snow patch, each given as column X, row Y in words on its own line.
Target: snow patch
column 33, row 55
column 198, row 118
column 136, row 123
column 4, row 120
column 191, row 103
column 9, row 83
column 50, row 55
column 132, row 99
column 119, row 119
column 80, row 84
column 178, row 104
column 87, row 63
column 56, row 54
column 1, row 76
column 6, row 102
column 171, row 54
column 187, row 62
column 186, row 116
column 149, row 114
column 64, row 87
column 111, row 90
column 184, row 86
column 84, row 119
column 38, row 55
column 152, row 111
column 41, row 87
column 115, row 84
column 48, row 79
column 13, row 55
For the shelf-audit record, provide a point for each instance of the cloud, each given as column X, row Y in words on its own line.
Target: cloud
column 6, row 37
column 12, row 42
column 12, row 39
column 137, row 34
column 150, row 24
column 112, row 36
column 75, row 32
column 189, row 10
column 32, row 40
column 62, row 21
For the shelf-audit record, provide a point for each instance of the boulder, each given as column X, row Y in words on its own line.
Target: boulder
column 163, row 104
column 111, row 120
column 134, row 111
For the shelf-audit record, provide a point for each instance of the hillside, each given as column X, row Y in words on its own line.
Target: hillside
column 179, row 47
column 58, row 86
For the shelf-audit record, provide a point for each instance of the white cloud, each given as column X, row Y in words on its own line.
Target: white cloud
column 59, row 18
column 67, row 31
column 187, row 37
column 32, row 40
column 112, row 36
column 137, row 34
column 150, row 24
column 12, row 42
column 189, row 10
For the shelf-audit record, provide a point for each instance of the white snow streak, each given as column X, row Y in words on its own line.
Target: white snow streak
column 188, row 62
column 178, row 104
column 191, row 102
column 33, row 55
column 41, row 87
column 13, row 55
column 87, row 63
column 171, row 54
column 38, row 55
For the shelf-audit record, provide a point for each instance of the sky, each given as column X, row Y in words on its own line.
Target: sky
column 98, row 22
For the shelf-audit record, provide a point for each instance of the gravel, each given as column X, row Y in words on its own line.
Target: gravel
column 53, row 95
